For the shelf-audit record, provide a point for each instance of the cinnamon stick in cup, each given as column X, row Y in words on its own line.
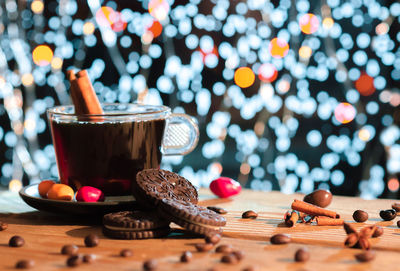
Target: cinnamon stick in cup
column 313, row 210
column 82, row 94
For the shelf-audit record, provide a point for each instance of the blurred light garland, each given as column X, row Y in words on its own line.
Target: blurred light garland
column 289, row 96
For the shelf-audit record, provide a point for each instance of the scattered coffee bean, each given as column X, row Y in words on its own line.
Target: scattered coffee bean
column 218, row 210
column 280, row 238
column 88, row 258
column 69, row 250
column 25, row 264
column 213, row 239
column 91, row 240
column 302, row 255
column 365, row 256
column 249, row 268
column 186, row 257
column 320, row 197
column 388, row 215
column 351, row 240
column 239, row 254
column 16, row 241
column 204, row 247
column 250, row 214
column 3, row 226
column 126, row 253
column 378, row 232
column 74, row 260
column 150, row 265
column 364, row 243
column 224, row 249
column 229, row 258
column 396, row 206
column 360, row 216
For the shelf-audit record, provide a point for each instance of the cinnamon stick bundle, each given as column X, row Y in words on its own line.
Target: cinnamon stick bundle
column 291, row 218
column 83, row 95
column 312, row 210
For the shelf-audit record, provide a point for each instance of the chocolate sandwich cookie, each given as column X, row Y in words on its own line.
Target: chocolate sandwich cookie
column 153, row 185
column 192, row 217
column 134, row 225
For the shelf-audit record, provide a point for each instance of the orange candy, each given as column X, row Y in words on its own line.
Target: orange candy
column 60, row 192
column 44, row 187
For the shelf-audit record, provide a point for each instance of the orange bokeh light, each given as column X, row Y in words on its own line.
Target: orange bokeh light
column 365, row 84
column 393, row 184
column 309, row 23
column 244, row 77
column 278, row 48
column 155, row 28
column 159, row 9
column 345, row 113
column 267, row 73
column 42, row 55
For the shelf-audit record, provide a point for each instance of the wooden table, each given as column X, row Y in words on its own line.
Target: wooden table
column 45, row 234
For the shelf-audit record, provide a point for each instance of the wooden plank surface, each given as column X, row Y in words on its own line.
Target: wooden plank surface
column 45, row 234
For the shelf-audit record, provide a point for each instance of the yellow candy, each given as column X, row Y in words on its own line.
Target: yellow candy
column 60, row 192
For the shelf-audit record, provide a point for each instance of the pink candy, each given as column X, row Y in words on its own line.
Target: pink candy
column 225, row 187
column 89, row 194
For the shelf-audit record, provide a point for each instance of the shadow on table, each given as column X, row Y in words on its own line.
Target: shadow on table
column 43, row 218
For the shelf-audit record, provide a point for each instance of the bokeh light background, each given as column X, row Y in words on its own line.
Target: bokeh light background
column 289, row 95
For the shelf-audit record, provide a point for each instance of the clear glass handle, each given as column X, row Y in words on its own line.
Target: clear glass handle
column 181, row 135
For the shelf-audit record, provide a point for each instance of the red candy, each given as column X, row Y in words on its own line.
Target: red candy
column 89, row 194
column 225, row 187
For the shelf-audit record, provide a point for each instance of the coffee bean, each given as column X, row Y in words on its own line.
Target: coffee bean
column 88, row 258
column 126, row 253
column 302, row 255
column 280, row 238
column 213, row 239
column 3, row 226
column 224, row 249
column 351, row 240
column 91, row 240
column 360, row 216
column 378, row 232
column 150, row 265
column 218, row 210
column 69, row 250
column 204, row 247
column 186, row 256
column 365, row 256
column 238, row 254
column 250, row 214
column 320, row 197
column 249, row 268
column 25, row 264
column 388, row 215
column 398, row 223
column 364, row 243
column 74, row 260
column 229, row 258
column 396, row 206
column 16, row 241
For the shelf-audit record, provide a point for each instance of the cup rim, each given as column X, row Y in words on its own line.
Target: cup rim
column 157, row 109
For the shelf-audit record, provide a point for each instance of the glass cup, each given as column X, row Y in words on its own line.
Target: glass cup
column 106, row 151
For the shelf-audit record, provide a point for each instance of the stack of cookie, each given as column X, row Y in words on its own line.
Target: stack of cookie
column 169, row 198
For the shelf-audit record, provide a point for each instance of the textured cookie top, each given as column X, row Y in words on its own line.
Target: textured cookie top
column 140, row 220
column 191, row 213
column 158, row 184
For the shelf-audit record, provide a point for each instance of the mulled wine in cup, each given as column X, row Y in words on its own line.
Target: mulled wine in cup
column 107, row 150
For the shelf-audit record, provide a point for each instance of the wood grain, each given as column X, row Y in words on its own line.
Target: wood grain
column 45, row 234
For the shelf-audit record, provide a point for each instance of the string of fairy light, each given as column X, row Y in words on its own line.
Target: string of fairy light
column 266, row 82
